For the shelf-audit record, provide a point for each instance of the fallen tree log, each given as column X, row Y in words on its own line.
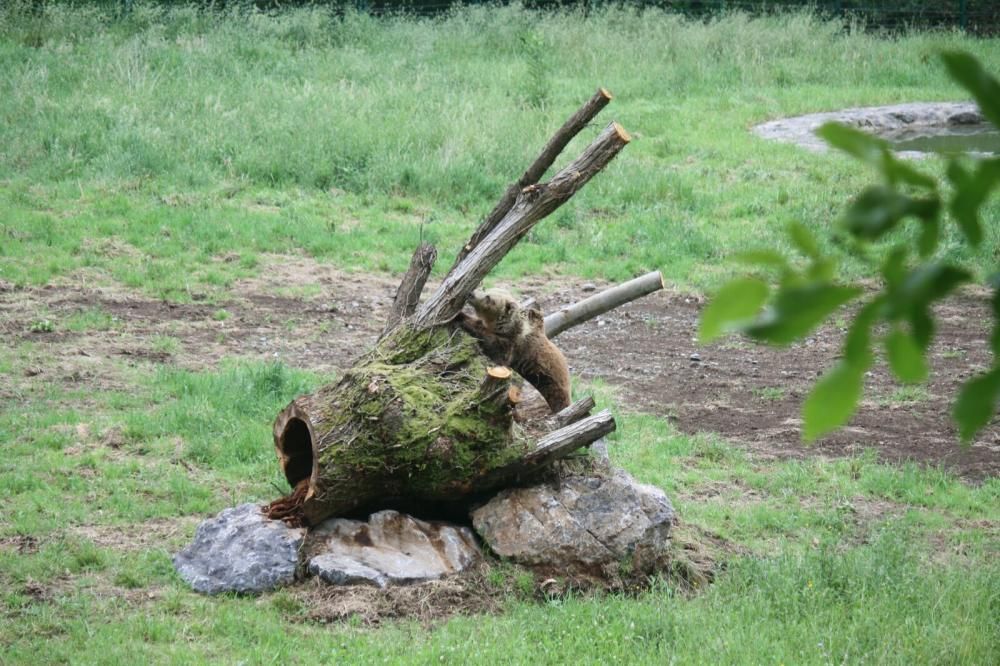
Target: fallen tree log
column 425, row 416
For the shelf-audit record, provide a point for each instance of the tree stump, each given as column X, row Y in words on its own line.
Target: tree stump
column 425, row 416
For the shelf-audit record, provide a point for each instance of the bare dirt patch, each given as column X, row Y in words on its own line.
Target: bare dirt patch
column 752, row 394
column 748, row 393
column 426, row 602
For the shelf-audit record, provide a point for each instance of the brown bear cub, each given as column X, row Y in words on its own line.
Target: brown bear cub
column 515, row 336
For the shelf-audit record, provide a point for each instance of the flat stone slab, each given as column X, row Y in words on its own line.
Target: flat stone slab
column 885, row 121
column 240, row 551
column 583, row 525
column 392, row 548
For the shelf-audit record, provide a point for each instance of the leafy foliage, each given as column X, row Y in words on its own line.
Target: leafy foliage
column 911, row 272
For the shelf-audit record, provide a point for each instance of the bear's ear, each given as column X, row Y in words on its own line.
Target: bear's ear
column 509, row 306
column 535, row 316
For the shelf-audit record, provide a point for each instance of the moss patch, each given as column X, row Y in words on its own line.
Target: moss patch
column 408, row 421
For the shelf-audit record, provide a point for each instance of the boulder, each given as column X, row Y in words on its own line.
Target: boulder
column 581, row 525
column 891, row 122
column 390, row 549
column 240, row 551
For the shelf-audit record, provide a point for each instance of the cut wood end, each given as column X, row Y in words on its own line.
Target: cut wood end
column 622, row 134
column 514, row 395
column 499, row 372
column 603, row 92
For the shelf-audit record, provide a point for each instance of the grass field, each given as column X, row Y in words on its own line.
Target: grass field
column 163, row 154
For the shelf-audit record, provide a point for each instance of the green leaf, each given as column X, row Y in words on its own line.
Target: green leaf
column 977, row 403
column 926, row 284
column 797, row 310
column 964, row 204
column 923, row 327
column 822, row 269
column 913, row 297
column 874, row 152
column 995, row 336
column 894, row 266
column 833, row 400
column 857, row 346
column 898, row 170
column 971, row 192
column 734, row 304
column 765, row 258
column 970, row 74
column 856, row 143
column 878, row 209
column 906, row 358
column 930, row 233
column 804, row 240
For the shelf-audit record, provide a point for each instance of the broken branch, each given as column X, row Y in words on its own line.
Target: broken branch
column 533, row 204
column 408, row 292
column 556, row 144
column 571, row 414
column 598, row 304
column 551, row 447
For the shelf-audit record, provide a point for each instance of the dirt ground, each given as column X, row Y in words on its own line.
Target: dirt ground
column 747, row 393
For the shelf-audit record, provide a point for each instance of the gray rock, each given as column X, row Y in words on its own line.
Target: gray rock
column 390, row 549
column 897, row 121
column 240, row 551
column 584, row 525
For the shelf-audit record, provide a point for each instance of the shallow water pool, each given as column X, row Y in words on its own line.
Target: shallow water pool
column 980, row 138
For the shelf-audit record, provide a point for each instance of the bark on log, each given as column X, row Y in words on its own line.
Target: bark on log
column 415, row 426
column 549, row 153
column 598, row 304
column 532, row 205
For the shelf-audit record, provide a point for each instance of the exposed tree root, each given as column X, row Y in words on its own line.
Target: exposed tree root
column 289, row 508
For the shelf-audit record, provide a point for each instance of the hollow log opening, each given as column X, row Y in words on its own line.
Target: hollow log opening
column 295, row 446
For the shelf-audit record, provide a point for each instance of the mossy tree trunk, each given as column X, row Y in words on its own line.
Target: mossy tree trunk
column 424, row 416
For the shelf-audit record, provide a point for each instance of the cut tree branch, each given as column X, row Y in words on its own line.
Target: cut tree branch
column 564, row 441
column 495, row 386
column 598, row 304
column 533, row 204
column 571, row 414
column 556, row 144
column 408, row 292
column 551, row 447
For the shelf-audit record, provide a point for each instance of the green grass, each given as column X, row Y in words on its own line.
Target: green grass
column 770, row 393
column 168, row 151
column 90, row 319
column 824, row 581
column 906, row 395
column 176, row 137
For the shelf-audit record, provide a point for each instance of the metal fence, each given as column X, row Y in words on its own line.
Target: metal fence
column 974, row 16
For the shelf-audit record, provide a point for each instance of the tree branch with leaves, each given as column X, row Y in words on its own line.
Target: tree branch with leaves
column 911, row 272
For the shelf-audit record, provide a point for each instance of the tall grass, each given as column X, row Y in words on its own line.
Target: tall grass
column 449, row 108
column 192, row 133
